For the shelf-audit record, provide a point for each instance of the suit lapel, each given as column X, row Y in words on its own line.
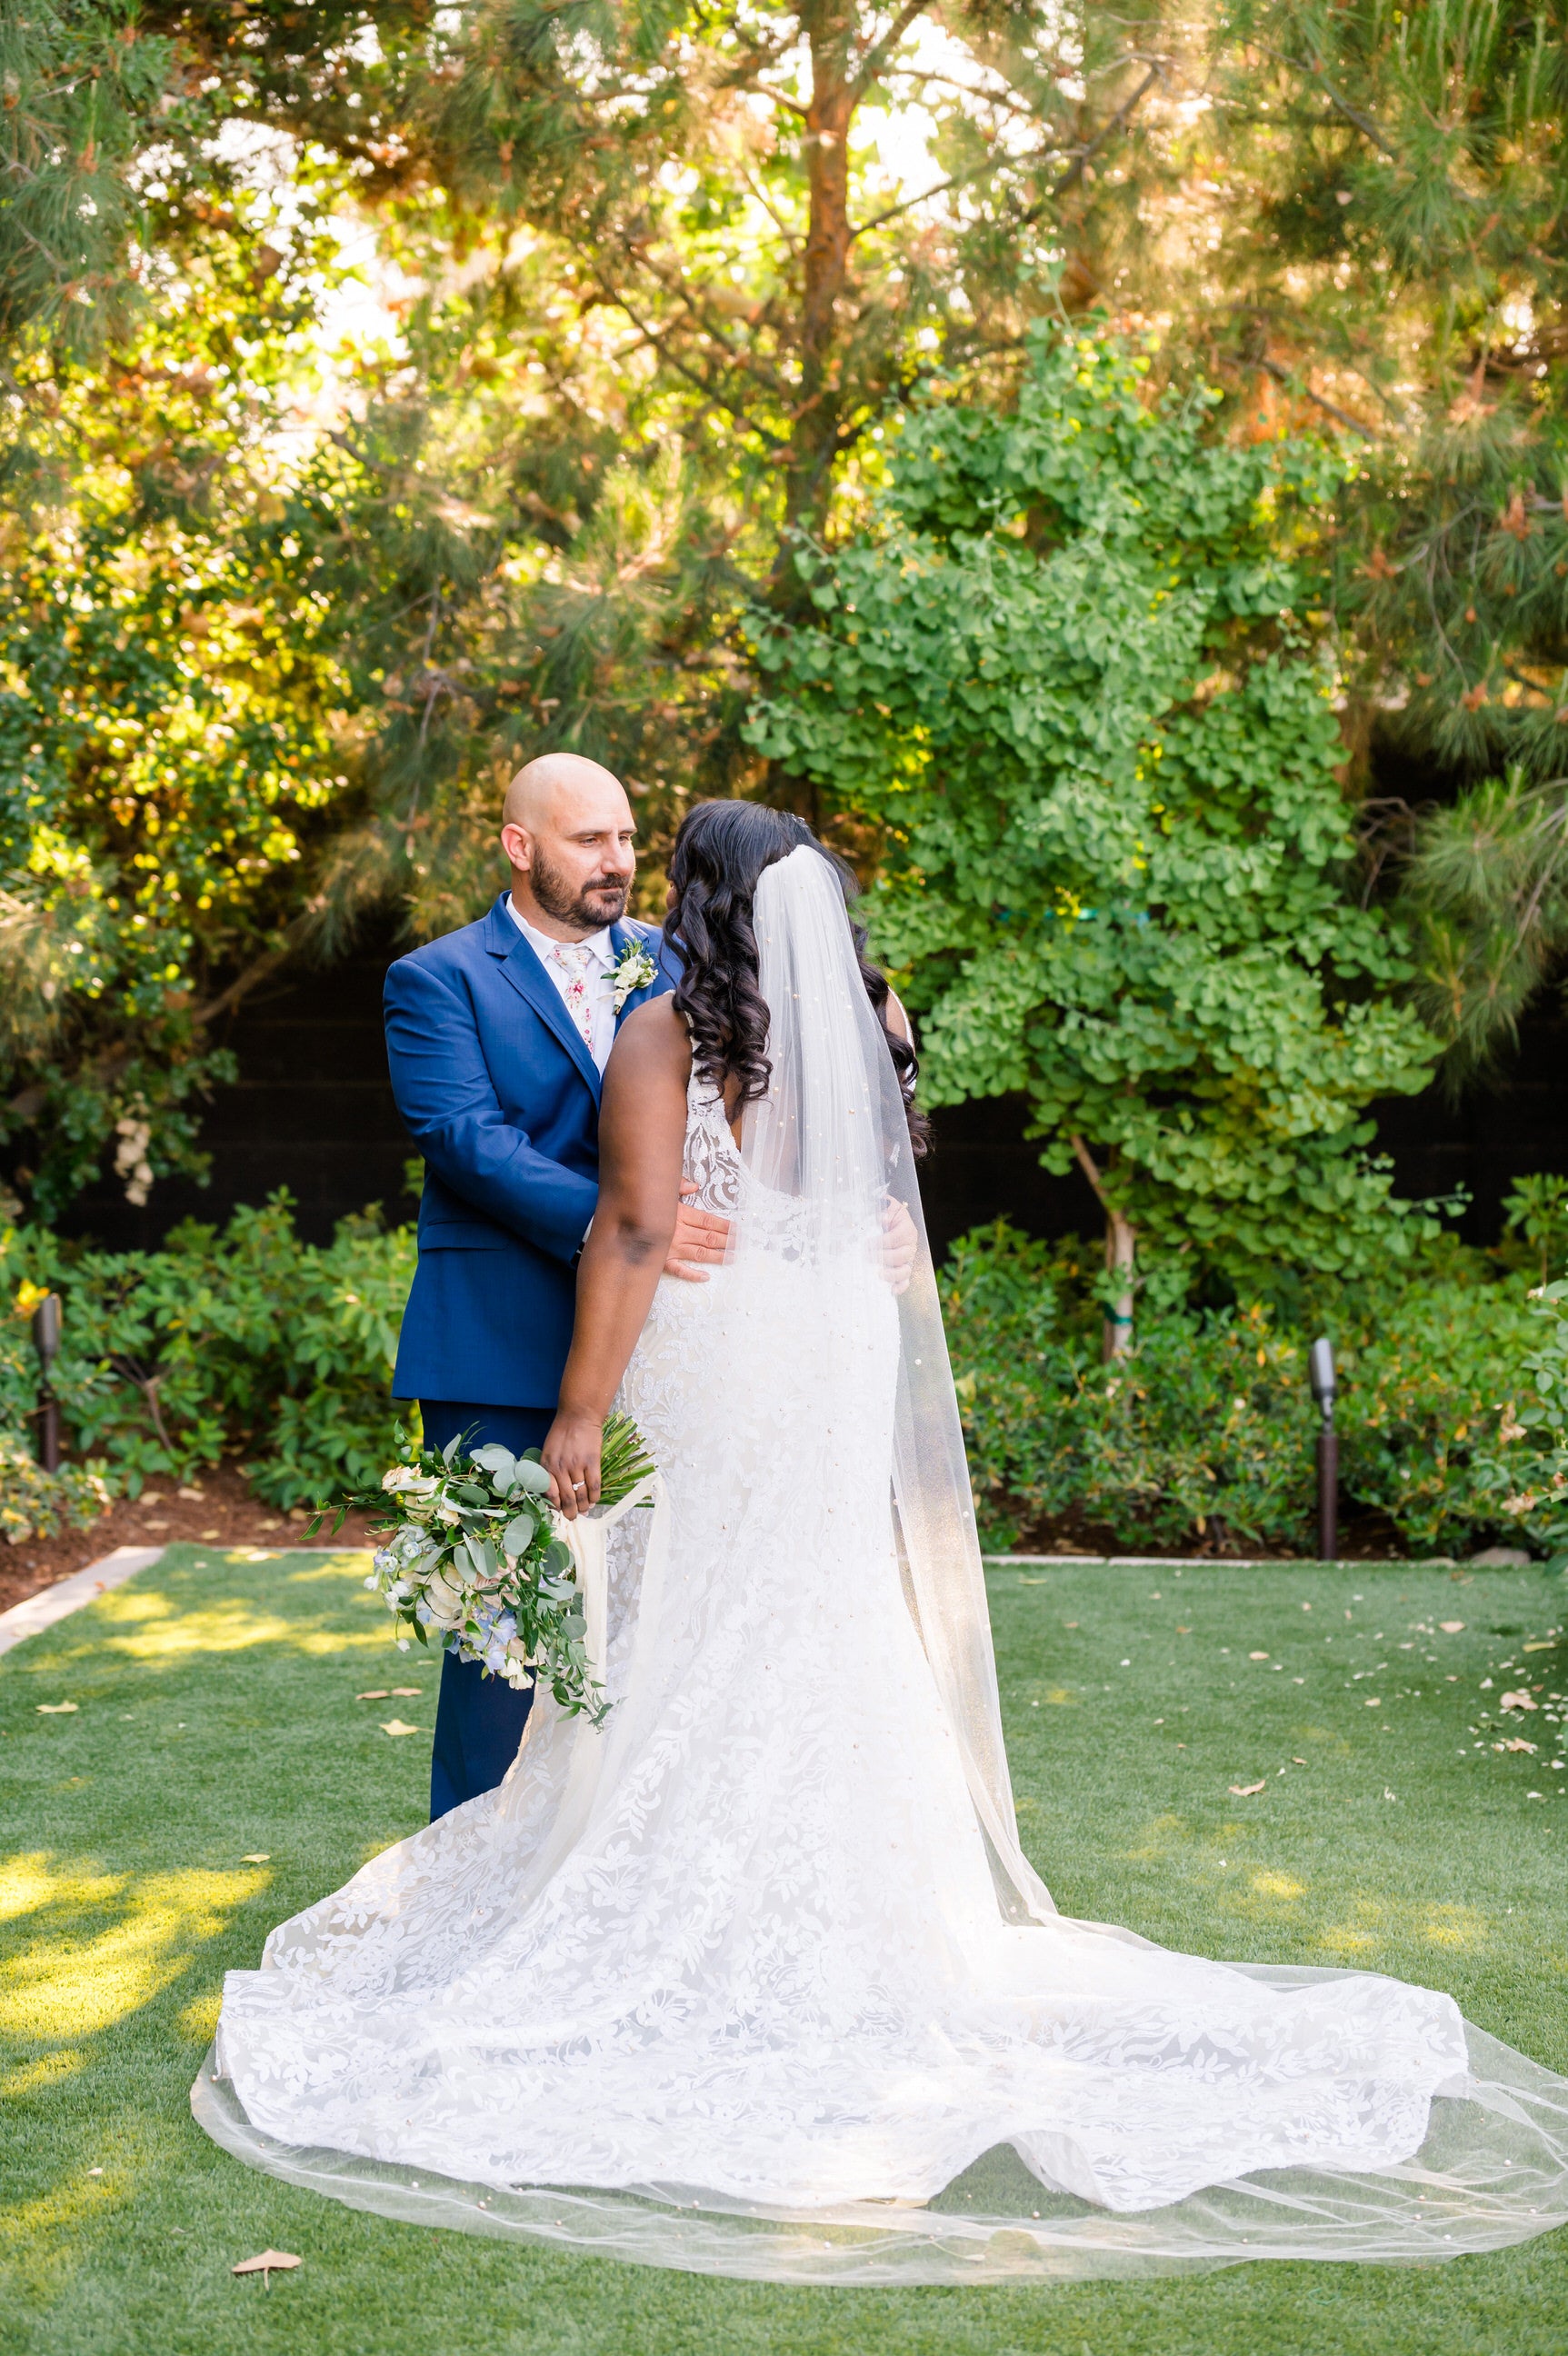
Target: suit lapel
column 505, row 941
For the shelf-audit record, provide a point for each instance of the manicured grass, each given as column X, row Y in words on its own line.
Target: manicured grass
column 216, row 1719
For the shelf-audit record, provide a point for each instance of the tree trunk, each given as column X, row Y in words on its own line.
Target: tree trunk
column 1120, row 1244
column 830, row 28
column 1120, row 1254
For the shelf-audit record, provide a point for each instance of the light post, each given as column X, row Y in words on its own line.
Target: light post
column 1320, row 1372
column 45, row 1341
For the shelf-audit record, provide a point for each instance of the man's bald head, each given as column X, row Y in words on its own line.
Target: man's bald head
column 536, row 794
column 567, row 830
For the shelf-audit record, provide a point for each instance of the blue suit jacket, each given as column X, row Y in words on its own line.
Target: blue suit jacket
column 501, row 1097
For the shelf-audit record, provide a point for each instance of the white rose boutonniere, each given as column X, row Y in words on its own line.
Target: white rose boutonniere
column 632, row 971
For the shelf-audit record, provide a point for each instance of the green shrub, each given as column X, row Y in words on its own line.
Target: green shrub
column 242, row 1341
column 1202, row 1433
column 1206, row 1431
column 38, row 1504
column 246, row 1342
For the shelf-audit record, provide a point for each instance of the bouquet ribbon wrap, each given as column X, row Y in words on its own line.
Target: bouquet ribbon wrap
column 588, row 1538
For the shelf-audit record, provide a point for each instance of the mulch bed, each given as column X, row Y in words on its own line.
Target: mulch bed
column 216, row 1508
column 220, row 1510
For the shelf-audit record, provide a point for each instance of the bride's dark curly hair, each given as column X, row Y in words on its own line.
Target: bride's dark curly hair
column 720, row 852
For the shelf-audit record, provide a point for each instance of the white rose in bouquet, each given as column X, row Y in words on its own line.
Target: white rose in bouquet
column 475, row 1552
column 444, row 1602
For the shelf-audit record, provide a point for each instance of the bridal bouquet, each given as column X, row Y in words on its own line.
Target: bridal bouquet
column 472, row 1553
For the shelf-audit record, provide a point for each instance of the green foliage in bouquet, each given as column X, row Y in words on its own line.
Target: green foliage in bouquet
column 472, row 1554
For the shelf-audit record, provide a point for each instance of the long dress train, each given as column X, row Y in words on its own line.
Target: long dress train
column 744, row 1981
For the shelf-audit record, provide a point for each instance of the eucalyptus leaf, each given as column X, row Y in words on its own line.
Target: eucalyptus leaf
column 532, row 1479
column 497, row 1462
column 517, row 1533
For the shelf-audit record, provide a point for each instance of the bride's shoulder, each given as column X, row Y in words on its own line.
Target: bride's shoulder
column 653, row 1040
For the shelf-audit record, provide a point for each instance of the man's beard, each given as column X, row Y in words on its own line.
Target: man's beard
column 592, row 905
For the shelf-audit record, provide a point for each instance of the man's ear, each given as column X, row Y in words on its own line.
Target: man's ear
column 517, row 847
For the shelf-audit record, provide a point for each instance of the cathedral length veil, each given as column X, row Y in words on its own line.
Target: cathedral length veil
column 822, row 1156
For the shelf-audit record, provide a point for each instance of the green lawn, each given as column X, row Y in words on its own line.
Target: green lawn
column 216, row 1720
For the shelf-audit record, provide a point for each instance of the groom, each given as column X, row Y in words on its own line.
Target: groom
column 497, row 1035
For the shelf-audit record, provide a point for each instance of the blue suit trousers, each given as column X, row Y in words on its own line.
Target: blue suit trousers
column 478, row 1720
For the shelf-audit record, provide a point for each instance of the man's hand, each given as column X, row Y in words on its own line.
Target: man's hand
column 900, row 1244
column 699, row 1243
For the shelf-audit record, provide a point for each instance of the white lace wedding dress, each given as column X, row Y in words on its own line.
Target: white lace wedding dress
column 747, row 1979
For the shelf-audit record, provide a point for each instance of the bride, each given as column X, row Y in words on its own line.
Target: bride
column 744, row 1979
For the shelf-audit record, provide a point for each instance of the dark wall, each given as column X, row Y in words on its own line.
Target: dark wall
column 312, row 1111
column 1501, row 1130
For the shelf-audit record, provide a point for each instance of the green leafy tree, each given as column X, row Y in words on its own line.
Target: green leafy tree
column 171, row 721
column 1072, row 671
column 1385, row 248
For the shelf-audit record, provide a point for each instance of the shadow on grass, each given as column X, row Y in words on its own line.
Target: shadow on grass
column 219, row 1773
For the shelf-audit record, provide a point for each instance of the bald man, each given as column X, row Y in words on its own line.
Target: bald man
column 496, row 1036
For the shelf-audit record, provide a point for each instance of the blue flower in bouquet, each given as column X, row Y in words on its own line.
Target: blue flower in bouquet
column 474, row 1557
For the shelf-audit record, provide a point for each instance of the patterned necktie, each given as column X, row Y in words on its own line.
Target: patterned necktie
column 575, row 960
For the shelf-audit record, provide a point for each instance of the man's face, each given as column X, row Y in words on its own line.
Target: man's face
column 576, row 862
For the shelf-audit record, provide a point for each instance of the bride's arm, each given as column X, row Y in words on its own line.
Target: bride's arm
column 642, row 1138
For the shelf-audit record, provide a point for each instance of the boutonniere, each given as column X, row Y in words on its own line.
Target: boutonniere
column 632, row 971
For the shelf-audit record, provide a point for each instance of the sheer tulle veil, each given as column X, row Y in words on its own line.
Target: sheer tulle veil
column 1050, row 2052
column 830, row 1139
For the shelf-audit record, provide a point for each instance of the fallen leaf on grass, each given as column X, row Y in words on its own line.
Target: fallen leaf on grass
column 1245, row 1791
column 1452, row 1627
column 60, row 1708
column 396, row 1726
column 266, row 2263
column 1541, row 1645
column 257, row 1857
column 1519, row 1700
column 1257, row 1656
column 398, row 1692
column 1514, row 1742
column 376, row 1693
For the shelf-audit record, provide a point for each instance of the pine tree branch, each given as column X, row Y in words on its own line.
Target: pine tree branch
column 1313, row 71
column 781, row 97
column 866, row 72
column 1107, row 130
column 675, row 282
column 1086, row 154
column 793, row 244
column 1283, row 376
column 660, row 341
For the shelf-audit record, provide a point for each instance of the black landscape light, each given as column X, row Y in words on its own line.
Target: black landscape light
column 46, row 1342
column 1320, row 1372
